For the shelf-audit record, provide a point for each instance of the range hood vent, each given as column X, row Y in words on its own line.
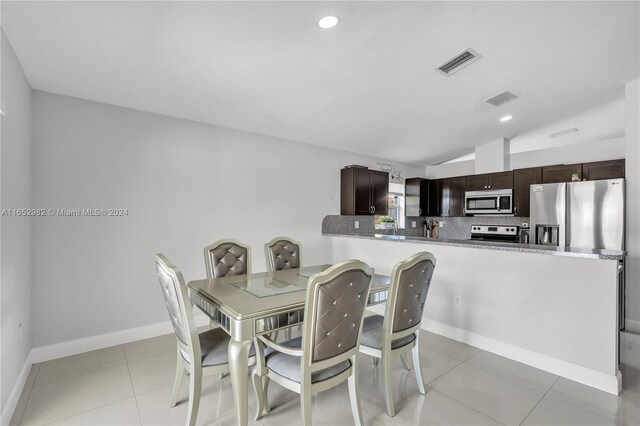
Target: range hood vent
column 501, row 98
column 461, row 60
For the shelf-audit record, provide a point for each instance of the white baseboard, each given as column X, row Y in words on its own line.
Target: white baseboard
column 14, row 396
column 578, row 373
column 86, row 344
column 632, row 325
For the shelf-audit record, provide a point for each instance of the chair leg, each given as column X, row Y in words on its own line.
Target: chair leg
column 258, row 387
column 305, row 405
column 177, row 383
column 195, row 387
column 265, row 386
column 352, row 381
column 375, row 360
column 406, row 365
column 416, row 364
column 388, row 384
column 287, row 333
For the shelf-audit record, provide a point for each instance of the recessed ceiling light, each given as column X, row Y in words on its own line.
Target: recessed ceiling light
column 506, row 118
column 563, row 133
column 328, row 22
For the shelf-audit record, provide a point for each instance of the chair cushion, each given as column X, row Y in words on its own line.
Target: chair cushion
column 372, row 334
column 289, row 366
column 214, row 346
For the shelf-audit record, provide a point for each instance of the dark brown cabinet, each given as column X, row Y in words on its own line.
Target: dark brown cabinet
column 500, row 180
column 613, row 169
column 421, row 197
column 452, row 196
column 363, row 191
column 561, row 173
column 522, row 180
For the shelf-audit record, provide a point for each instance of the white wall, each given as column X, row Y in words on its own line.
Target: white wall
column 632, row 135
column 185, row 184
column 15, row 249
column 493, row 157
column 608, row 149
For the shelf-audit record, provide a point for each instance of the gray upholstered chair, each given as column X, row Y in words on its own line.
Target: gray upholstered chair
column 208, row 349
column 283, row 253
column 227, row 257
column 327, row 353
column 398, row 332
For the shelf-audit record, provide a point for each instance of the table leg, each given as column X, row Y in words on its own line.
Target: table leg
column 238, row 369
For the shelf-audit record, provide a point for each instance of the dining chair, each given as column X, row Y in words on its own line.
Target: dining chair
column 283, row 253
column 227, row 257
column 398, row 331
column 327, row 352
column 198, row 355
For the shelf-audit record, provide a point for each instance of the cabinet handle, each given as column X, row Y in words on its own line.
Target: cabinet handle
column 485, row 187
column 515, row 209
column 419, row 212
column 489, row 186
column 374, row 209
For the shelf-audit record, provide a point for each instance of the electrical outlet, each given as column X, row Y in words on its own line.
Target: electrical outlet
column 357, row 224
column 525, row 225
column 441, row 224
column 413, row 224
column 457, row 301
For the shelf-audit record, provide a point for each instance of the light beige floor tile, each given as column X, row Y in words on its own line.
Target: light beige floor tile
column 525, row 375
column 493, row 396
column 24, row 396
column 75, row 365
column 623, row 409
column 434, row 408
column 150, row 347
column 123, row 413
column 372, row 391
column 551, row 411
column 216, row 402
column 327, row 408
column 374, row 422
column 230, row 420
column 68, row 397
column 447, row 346
column 152, row 373
column 630, row 360
column 434, row 364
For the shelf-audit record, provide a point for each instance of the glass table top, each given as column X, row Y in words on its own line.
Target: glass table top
column 268, row 286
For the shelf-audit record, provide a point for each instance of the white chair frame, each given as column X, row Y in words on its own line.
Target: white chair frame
column 208, row 261
column 194, row 370
column 261, row 374
column 386, row 353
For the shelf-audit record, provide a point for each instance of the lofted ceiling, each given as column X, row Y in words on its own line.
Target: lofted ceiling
column 367, row 85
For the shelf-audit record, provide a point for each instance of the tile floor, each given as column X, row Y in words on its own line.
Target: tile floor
column 130, row 385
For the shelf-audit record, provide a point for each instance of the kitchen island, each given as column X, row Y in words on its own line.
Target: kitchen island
column 553, row 308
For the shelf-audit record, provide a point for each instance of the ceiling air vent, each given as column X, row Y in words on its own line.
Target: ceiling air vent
column 461, row 60
column 563, row 133
column 501, row 98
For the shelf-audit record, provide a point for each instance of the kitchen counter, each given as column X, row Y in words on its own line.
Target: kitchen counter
column 500, row 246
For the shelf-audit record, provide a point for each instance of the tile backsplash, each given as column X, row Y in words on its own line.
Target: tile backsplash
column 456, row 228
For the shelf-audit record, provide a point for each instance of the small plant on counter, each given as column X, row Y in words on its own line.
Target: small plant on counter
column 387, row 219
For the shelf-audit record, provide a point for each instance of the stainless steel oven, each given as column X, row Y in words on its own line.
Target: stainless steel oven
column 499, row 201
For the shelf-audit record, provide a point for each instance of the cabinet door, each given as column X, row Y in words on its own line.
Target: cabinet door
column 412, row 196
column 362, row 192
column 613, row 169
column 501, row 180
column 429, row 198
column 476, row 182
column 522, row 180
column 380, row 192
column 560, row 173
column 452, row 201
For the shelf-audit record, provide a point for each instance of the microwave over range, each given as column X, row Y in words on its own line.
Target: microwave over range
column 489, row 202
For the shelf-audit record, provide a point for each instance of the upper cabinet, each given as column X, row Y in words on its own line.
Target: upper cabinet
column 522, row 179
column 613, row 169
column 500, row 180
column 421, row 197
column 452, row 196
column 363, row 191
column 561, row 173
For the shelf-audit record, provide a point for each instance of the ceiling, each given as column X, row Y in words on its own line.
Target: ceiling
column 366, row 86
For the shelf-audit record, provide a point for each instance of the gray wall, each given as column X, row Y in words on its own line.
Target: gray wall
column 632, row 163
column 185, row 184
column 15, row 250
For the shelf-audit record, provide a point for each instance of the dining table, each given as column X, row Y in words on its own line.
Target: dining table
column 246, row 306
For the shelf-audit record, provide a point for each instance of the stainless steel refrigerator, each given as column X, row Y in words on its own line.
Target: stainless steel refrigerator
column 588, row 214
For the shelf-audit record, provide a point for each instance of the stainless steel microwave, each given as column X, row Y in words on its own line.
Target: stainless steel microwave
column 499, row 201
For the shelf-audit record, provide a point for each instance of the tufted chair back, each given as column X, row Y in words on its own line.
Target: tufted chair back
column 175, row 295
column 410, row 282
column 336, row 300
column 225, row 258
column 282, row 253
